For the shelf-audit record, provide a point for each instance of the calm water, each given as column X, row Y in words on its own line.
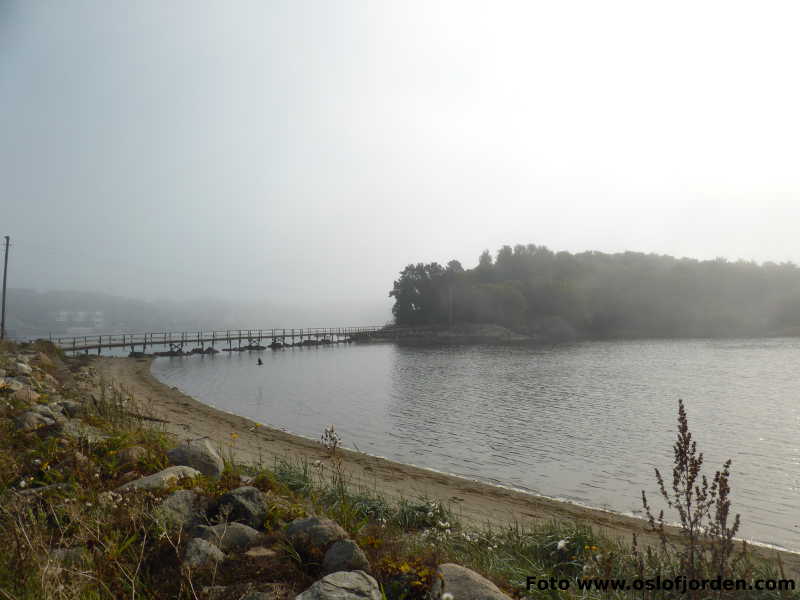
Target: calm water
column 585, row 422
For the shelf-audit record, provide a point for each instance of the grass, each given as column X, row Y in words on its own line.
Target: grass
column 80, row 539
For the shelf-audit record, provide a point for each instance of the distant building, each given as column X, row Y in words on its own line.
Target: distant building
column 81, row 319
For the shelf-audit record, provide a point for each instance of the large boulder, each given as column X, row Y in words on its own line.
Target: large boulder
column 313, row 536
column 230, row 537
column 345, row 555
column 200, row 553
column 464, row 584
column 160, row 480
column 181, row 510
column 245, row 504
column 200, row 455
column 344, row 585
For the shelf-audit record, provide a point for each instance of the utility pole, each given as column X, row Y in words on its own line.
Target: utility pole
column 5, row 273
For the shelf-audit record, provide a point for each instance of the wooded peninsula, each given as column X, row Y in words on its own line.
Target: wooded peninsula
column 559, row 295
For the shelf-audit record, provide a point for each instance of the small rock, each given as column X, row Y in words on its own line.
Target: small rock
column 213, row 592
column 71, row 408
column 48, row 410
column 345, row 555
column 66, row 558
column 84, row 431
column 45, row 360
column 344, row 585
column 199, row 454
column 25, row 394
column 69, row 557
column 200, row 553
column 314, row 535
column 231, row 537
column 161, row 479
column 464, row 584
column 12, row 383
column 244, row 504
column 181, row 509
column 245, row 591
column 23, row 368
column 261, row 552
column 258, row 596
column 31, row 420
column 131, row 455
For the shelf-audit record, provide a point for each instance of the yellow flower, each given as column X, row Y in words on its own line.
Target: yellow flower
column 234, row 435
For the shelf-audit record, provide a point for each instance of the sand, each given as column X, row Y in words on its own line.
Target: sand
column 474, row 502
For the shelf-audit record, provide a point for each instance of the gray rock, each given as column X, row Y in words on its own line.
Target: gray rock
column 181, row 509
column 25, row 394
column 49, row 410
column 70, row 557
column 464, row 584
column 314, row 535
column 200, row 455
column 71, row 408
column 213, row 592
column 231, row 537
column 344, row 585
column 345, row 555
column 131, row 455
column 84, row 431
column 263, row 591
column 44, row 489
column 31, row 420
column 13, row 384
column 244, row 504
column 24, row 368
column 200, row 553
column 161, row 479
column 258, row 596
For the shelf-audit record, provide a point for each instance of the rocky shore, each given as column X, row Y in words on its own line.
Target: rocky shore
column 111, row 481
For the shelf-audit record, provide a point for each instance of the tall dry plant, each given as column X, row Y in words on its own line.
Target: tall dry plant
column 706, row 547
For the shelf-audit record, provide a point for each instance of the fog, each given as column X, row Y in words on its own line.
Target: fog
column 294, row 156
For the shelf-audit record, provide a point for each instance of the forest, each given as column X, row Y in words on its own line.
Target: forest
column 559, row 295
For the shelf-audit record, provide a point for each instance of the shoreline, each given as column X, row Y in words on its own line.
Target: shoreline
column 473, row 501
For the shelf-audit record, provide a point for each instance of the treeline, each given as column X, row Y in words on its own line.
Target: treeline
column 534, row 290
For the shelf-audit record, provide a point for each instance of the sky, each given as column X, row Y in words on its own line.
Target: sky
column 301, row 153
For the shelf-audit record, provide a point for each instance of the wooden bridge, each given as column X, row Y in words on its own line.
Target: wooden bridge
column 207, row 342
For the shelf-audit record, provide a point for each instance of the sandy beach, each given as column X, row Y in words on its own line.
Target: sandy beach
column 476, row 503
